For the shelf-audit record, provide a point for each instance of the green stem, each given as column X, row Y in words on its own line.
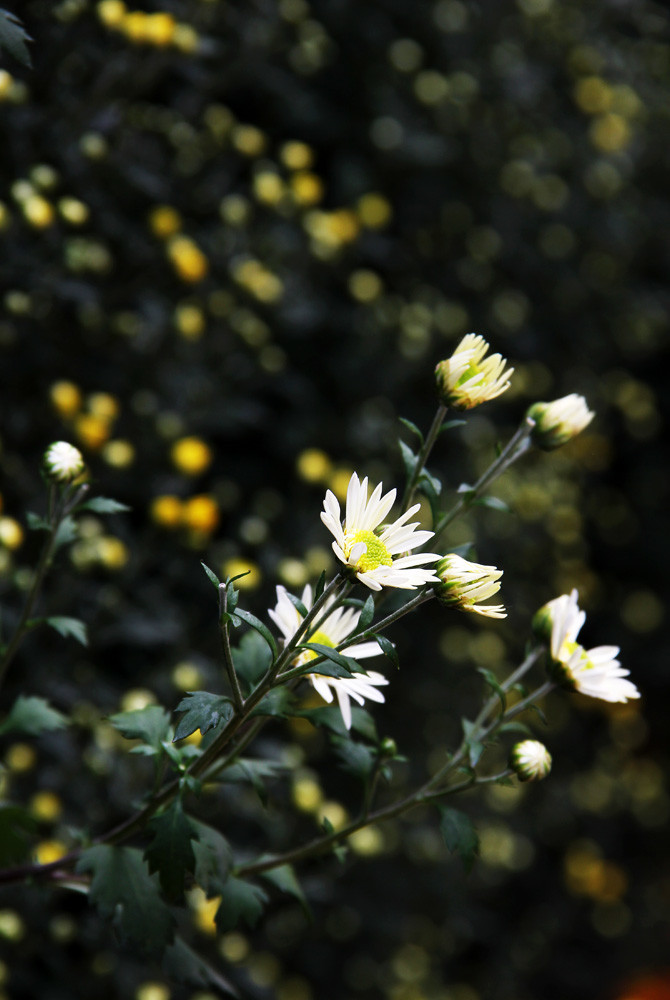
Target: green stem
column 517, row 446
column 422, row 457
column 238, row 700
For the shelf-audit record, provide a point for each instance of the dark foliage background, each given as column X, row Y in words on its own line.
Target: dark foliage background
column 260, row 225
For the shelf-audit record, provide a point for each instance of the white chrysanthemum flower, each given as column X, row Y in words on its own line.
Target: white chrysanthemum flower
column 594, row 672
column 337, row 627
column 559, row 421
column 464, row 583
column 468, row 377
column 530, row 760
column 373, row 550
column 62, row 462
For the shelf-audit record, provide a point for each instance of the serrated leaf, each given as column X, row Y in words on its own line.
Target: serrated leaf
column 124, row 892
column 251, row 659
column 494, row 503
column 202, row 710
column 37, row 523
column 213, row 578
column 284, row 878
column 240, row 901
column 278, row 703
column 297, row 604
column 13, row 37
column 104, row 505
column 252, row 772
column 411, row 427
column 15, row 826
column 494, row 684
column 213, row 858
column 32, row 716
column 170, row 852
column 259, row 626
column 151, row 725
column 356, row 758
column 459, row 835
column 409, row 459
column 183, row 965
column 68, row 627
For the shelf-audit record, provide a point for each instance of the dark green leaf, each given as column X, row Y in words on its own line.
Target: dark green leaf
column 494, row 503
column 151, row 725
column 211, row 575
column 251, row 658
column 32, row 716
column 258, row 625
column 37, row 523
column 515, row 727
column 252, row 772
column 124, row 892
column 356, row 758
column 494, row 684
column 449, row 424
column 13, row 37
column 330, row 717
column 66, row 532
column 183, row 965
column 387, row 648
column 467, row 491
column 202, row 710
column 240, row 900
column 459, row 835
column 431, row 489
column 409, row 459
column 104, row 505
column 170, row 852
column 284, row 879
column 320, row 587
column 347, row 666
column 15, row 826
column 213, row 858
column 297, row 604
column 367, row 614
column 278, row 703
column 411, row 427
column 475, row 747
column 68, row 627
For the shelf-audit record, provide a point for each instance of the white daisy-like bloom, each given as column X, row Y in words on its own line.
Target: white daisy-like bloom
column 374, row 550
column 337, row 627
column 559, row 421
column 468, row 377
column 62, row 462
column 594, row 672
column 530, row 760
column 464, row 583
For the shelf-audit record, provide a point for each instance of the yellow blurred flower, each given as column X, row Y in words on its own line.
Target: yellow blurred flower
column 112, row 552
column 11, row 533
column 164, row 221
column 166, row 510
column 111, row 12
column 159, row 28
column 38, row 211
column 103, row 405
column 313, row 465
column 188, row 260
column 201, row 513
column 235, row 566
column 91, row 430
column 20, row 757
column 119, row 454
column 296, row 155
column 46, row 806
column 186, row 38
column 307, row 188
column 191, row 455
column 189, row 320
column 49, row 850
column 374, row 210
column 73, row 211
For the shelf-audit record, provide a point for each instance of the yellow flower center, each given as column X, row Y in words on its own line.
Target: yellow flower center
column 377, row 554
column 568, row 648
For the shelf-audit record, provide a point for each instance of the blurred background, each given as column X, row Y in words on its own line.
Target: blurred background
column 236, row 237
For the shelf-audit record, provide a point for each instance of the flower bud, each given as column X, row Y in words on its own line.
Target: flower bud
column 62, row 462
column 559, row 421
column 468, row 378
column 463, row 583
column 530, row 760
column 388, row 747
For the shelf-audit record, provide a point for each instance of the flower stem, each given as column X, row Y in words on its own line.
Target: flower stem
column 422, row 457
column 238, row 700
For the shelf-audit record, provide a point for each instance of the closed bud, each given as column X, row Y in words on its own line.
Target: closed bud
column 62, row 462
column 388, row 747
column 558, row 422
column 530, row 760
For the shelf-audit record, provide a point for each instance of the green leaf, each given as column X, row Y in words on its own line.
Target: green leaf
column 278, row 703
column 66, row 532
column 494, row 503
column 411, row 427
column 13, row 37
column 251, row 659
column 240, row 900
column 409, row 459
column 449, row 424
column 346, row 665
column 355, row 758
column 15, row 825
column 330, row 717
column 258, row 625
column 211, row 575
column 515, row 727
column 202, row 710
column 68, row 627
column 124, row 892
column 387, row 648
column 494, row 684
column 104, row 505
column 320, row 587
column 459, row 835
column 367, row 614
column 183, row 965
column 170, row 852
column 284, row 878
column 297, row 604
column 431, row 487
column 151, row 725
column 37, row 523
column 32, row 716
column 252, row 772
column 213, row 858
column 475, row 747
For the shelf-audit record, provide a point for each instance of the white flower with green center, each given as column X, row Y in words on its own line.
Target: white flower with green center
column 375, row 551
column 62, row 462
column 530, row 760
column 464, row 584
column 594, row 672
column 336, row 627
column 559, row 421
column 468, row 377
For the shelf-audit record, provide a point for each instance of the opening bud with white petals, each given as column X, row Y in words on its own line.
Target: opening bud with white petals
column 62, row 462
column 464, row 583
column 468, row 377
column 558, row 422
column 530, row 760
